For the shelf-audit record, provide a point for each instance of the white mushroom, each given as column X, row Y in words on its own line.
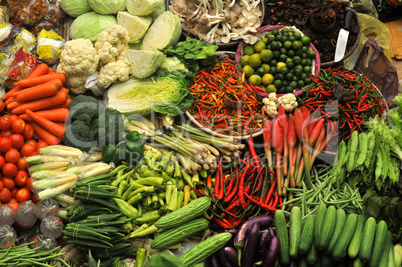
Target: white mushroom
column 209, row 37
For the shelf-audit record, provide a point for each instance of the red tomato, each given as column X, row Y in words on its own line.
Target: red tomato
column 31, row 141
column 21, row 178
column 9, row 170
column 18, row 126
column 13, row 118
column 23, row 195
column 7, row 133
column 29, row 184
column 41, row 144
column 5, row 144
column 8, row 183
column 13, row 156
column 1, row 185
column 5, row 195
column 28, row 132
column 17, row 140
column 27, row 149
column 22, row 164
column 5, row 123
column 13, row 204
column 14, row 191
column 13, row 200
column 2, row 161
column 35, row 153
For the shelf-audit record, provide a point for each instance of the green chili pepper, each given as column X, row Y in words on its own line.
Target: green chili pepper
column 149, row 216
column 134, row 199
column 140, row 257
column 126, row 208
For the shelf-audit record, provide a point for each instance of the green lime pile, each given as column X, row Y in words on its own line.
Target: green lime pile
column 281, row 61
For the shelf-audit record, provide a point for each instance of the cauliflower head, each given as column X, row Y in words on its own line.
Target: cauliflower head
column 288, row 102
column 112, row 44
column 111, row 72
column 78, row 61
column 270, row 107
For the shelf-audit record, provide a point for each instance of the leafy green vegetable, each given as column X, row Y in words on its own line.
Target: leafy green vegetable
column 75, row 8
column 107, row 7
column 144, row 63
column 89, row 25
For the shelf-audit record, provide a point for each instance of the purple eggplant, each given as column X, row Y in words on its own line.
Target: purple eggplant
column 250, row 246
column 262, row 220
column 223, row 259
column 233, row 231
column 232, row 256
column 213, row 261
column 271, row 231
column 263, row 246
column 272, row 253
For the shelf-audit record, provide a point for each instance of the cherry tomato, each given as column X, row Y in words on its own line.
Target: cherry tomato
column 28, row 132
column 7, row 133
column 13, row 204
column 21, row 178
column 41, row 144
column 31, row 141
column 13, row 118
column 23, row 195
column 2, row 105
column 18, row 126
column 5, row 123
column 35, row 153
column 8, row 183
column 12, row 156
column 5, row 195
column 5, row 144
column 27, row 149
column 14, row 191
column 2, row 162
column 17, row 140
column 1, row 185
column 29, row 184
column 9, row 170
column 22, row 164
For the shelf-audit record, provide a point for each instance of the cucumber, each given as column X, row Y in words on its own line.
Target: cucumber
column 348, row 231
column 384, row 262
column 354, row 245
column 295, row 230
column 340, row 223
column 302, row 262
column 319, row 221
column 366, row 246
column 306, row 238
column 312, row 256
column 326, row 260
column 358, row 262
column 391, row 255
column 283, row 236
column 328, row 228
column 379, row 244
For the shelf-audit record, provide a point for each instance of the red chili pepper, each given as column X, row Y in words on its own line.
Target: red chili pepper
column 221, row 223
column 235, row 203
column 271, row 190
column 262, row 205
column 276, row 200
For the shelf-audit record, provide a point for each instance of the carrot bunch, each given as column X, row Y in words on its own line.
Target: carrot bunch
column 296, row 140
column 41, row 100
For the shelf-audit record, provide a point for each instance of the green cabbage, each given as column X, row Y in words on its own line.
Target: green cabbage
column 75, row 8
column 107, row 7
column 135, row 25
column 144, row 63
column 142, row 7
column 89, row 25
column 165, row 31
column 167, row 95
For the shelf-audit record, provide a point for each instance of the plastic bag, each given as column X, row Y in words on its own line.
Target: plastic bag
column 7, row 236
column 45, row 208
column 370, row 28
column 49, row 47
column 51, row 19
column 50, row 243
column 376, row 66
column 28, row 12
column 365, row 7
column 7, row 215
column 51, row 227
column 25, row 215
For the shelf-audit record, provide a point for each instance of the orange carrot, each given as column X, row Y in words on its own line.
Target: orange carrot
column 9, row 100
column 57, row 114
column 62, row 124
column 40, row 91
column 51, row 70
column 64, row 105
column 12, row 91
column 30, row 82
column 13, row 105
column 58, row 99
column 52, row 127
column 57, row 82
column 45, row 135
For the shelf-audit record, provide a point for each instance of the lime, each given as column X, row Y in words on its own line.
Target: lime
column 261, row 71
column 299, row 67
column 259, row 46
column 255, row 60
column 271, row 89
column 307, row 69
column 296, row 59
column 265, row 40
column 305, row 40
column 254, row 80
column 284, row 39
column 248, row 70
column 244, row 60
column 299, row 53
column 248, row 49
column 304, row 76
column 276, row 54
column 287, row 44
column 267, row 34
column 290, row 65
column 290, row 53
column 283, row 50
column 298, row 72
column 275, row 32
column 266, row 55
column 278, row 84
column 311, row 54
column 304, row 62
column 240, row 66
column 282, row 57
column 293, row 84
column 269, row 47
column 305, row 48
column 289, row 77
column 279, row 76
column 285, row 30
column 267, row 79
column 266, row 67
column 288, row 89
column 309, row 62
column 297, row 45
column 275, row 45
column 271, row 39
column 297, row 35
column 307, row 81
column 273, row 70
column 292, row 38
column 286, row 34
column 300, row 83
column 273, row 62
column 278, row 37
column 284, row 70
column 290, row 33
column 280, row 65
column 304, row 56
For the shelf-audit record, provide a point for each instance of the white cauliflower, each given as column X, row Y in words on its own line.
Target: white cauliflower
column 112, row 47
column 288, row 102
column 78, row 61
column 271, row 105
column 112, row 72
column 272, row 97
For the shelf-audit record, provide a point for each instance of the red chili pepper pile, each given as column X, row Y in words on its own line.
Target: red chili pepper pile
column 350, row 115
column 211, row 86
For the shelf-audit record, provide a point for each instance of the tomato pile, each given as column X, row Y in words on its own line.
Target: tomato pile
column 16, row 144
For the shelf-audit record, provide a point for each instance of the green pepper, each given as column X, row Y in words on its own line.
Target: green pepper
column 110, row 153
column 134, row 137
column 133, row 152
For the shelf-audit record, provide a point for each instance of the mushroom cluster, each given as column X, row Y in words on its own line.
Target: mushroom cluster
column 219, row 21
